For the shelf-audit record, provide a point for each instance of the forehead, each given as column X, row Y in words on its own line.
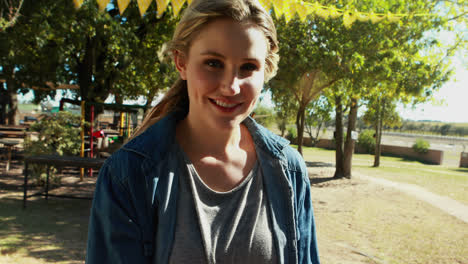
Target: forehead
column 231, row 38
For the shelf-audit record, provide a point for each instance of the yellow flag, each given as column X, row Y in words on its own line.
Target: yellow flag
column 316, row 7
column 289, row 9
column 362, row 17
column 375, row 18
column 348, row 19
column 266, row 4
column 392, row 18
column 310, row 9
column 333, row 12
column 102, row 4
column 162, row 5
column 176, row 6
column 322, row 12
column 78, row 3
column 301, row 10
column 278, row 7
column 143, row 6
column 122, row 5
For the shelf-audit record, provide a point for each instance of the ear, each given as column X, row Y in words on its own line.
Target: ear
column 181, row 64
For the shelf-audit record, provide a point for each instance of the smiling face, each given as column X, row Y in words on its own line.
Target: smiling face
column 224, row 70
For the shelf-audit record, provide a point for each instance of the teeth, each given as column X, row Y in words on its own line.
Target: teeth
column 224, row 104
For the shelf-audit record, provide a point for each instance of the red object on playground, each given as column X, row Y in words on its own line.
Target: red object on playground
column 98, row 134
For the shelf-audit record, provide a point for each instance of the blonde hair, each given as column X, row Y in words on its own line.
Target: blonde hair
column 197, row 15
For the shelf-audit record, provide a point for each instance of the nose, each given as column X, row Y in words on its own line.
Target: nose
column 231, row 83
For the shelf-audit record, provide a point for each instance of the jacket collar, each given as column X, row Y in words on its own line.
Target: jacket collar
column 156, row 140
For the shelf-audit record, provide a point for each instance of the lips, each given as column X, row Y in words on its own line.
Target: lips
column 225, row 106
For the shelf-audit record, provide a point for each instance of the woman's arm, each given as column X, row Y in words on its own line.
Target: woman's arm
column 114, row 235
column 307, row 240
column 307, row 244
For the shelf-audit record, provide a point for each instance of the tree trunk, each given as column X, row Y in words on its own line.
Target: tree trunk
column 3, row 105
column 300, row 123
column 339, row 170
column 377, row 136
column 349, row 144
column 12, row 97
column 319, row 126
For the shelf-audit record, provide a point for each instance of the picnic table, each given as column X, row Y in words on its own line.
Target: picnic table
column 57, row 161
column 9, row 144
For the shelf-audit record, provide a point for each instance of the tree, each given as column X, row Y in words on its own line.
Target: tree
column 444, row 130
column 395, row 53
column 9, row 13
column 100, row 52
column 302, row 68
column 284, row 113
column 382, row 113
column 318, row 114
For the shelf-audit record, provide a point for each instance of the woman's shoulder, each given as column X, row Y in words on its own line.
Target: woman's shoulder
column 294, row 160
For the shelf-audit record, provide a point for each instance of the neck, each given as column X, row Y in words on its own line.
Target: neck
column 210, row 142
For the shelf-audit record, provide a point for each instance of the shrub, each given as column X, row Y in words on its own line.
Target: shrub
column 421, row 146
column 58, row 134
column 292, row 133
column 366, row 140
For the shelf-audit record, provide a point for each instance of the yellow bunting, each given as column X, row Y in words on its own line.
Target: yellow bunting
column 278, row 7
column 316, row 7
column 392, row 18
column 361, row 17
column 265, row 3
column 375, row 18
column 123, row 4
column 290, row 10
column 322, row 12
column 102, row 4
column 301, row 10
column 333, row 12
column 78, row 3
column 176, row 6
column 162, row 5
column 143, row 6
column 310, row 9
column 348, row 19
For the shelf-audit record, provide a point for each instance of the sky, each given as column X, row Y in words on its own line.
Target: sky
column 451, row 100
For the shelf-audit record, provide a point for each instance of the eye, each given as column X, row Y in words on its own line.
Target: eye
column 249, row 67
column 213, row 63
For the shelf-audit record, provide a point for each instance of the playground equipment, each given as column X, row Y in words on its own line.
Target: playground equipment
column 125, row 129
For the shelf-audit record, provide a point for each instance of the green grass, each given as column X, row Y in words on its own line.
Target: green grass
column 446, row 181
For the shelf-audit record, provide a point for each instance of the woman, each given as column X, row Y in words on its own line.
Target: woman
column 202, row 182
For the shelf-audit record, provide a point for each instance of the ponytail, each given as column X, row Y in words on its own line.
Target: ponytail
column 176, row 99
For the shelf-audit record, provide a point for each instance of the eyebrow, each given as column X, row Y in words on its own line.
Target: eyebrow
column 216, row 54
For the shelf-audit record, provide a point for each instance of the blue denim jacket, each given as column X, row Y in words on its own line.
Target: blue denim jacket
column 135, row 201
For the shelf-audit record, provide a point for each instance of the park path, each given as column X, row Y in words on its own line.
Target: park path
column 444, row 203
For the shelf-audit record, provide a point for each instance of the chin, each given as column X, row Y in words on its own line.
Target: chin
column 226, row 124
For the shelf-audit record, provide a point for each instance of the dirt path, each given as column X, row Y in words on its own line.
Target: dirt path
column 445, row 204
column 367, row 220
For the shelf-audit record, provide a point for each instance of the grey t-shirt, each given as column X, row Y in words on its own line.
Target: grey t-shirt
column 222, row 227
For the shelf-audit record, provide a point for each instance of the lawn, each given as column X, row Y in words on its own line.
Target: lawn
column 447, row 181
